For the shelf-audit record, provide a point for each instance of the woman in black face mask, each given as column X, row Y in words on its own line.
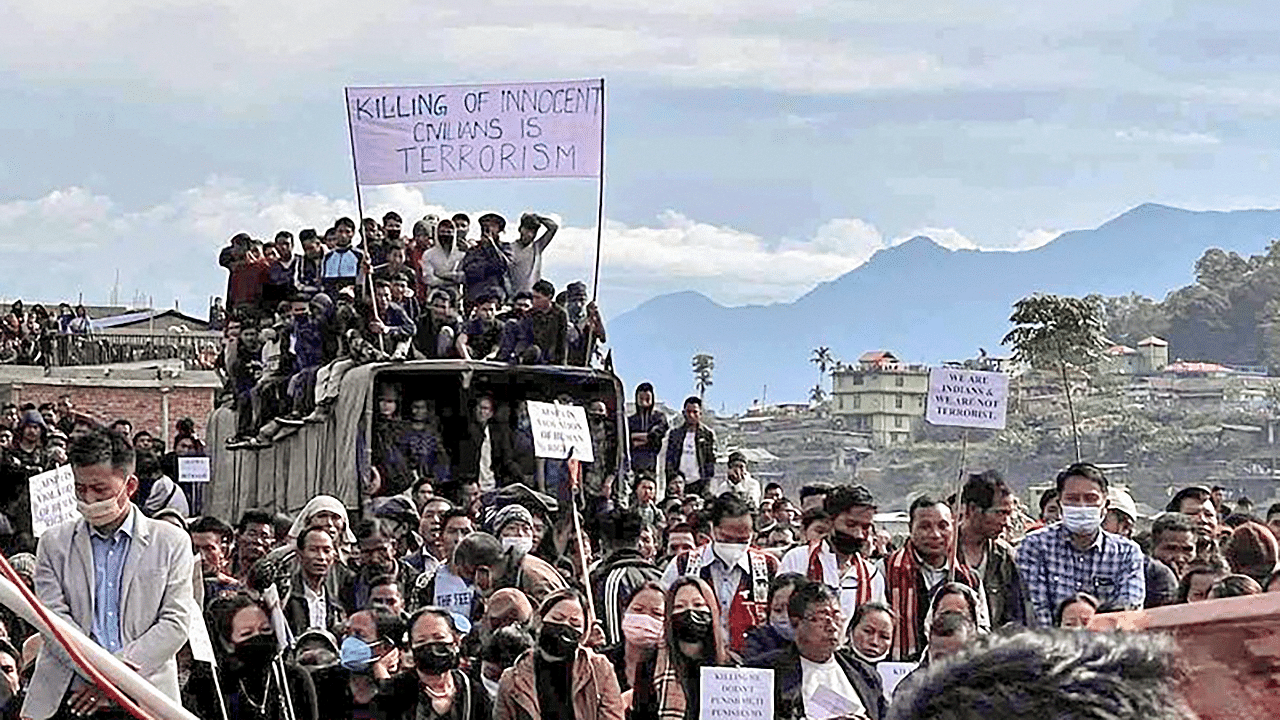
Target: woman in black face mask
column 559, row 678
column 256, row 683
column 435, row 689
column 672, row 684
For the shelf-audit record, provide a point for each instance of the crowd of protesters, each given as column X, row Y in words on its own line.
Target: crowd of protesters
column 34, row 336
column 448, row 601
column 297, row 322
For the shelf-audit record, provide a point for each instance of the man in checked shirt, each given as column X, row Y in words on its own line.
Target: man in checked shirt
column 1077, row 555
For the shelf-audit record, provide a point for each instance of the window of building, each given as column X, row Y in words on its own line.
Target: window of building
column 857, row 401
column 897, row 401
column 899, row 381
column 897, row 421
column 856, row 380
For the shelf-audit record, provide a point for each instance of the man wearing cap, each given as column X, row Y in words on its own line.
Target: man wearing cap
column 838, row 559
column 1122, row 514
column 484, row 267
column 586, row 327
column 738, row 481
column 646, row 428
column 526, row 251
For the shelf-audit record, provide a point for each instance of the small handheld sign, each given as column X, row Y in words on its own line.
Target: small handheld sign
column 558, row 429
column 193, row 469
column 53, row 498
column 967, row 398
column 736, row 694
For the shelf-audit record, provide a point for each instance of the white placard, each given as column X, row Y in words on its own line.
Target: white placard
column 53, row 498
column 967, row 398
column 464, row 132
column 193, row 469
column 559, row 428
column 892, row 673
column 736, row 694
column 198, row 631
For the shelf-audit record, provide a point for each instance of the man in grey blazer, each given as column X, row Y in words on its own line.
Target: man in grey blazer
column 122, row 578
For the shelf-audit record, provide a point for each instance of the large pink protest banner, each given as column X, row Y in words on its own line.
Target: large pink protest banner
column 464, row 132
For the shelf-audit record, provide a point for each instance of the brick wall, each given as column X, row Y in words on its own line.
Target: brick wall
column 140, row 405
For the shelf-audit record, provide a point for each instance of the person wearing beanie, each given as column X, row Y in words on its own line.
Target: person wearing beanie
column 1252, row 550
column 738, row 481
column 484, row 266
column 586, row 327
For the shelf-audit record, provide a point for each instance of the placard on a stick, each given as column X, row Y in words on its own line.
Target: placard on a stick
column 967, row 398
column 53, row 498
column 193, row 469
column 736, row 694
column 559, row 428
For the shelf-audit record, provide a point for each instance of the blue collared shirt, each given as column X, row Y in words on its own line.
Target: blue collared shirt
column 1112, row 569
column 109, row 554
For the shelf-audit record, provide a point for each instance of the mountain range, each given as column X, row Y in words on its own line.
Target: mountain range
column 923, row 302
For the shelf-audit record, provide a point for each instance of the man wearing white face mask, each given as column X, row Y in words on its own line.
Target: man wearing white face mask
column 739, row 574
column 1077, row 555
column 124, row 579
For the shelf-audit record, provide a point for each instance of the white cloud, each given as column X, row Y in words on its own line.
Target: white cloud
column 949, row 238
column 1032, row 239
column 169, row 250
column 1167, row 137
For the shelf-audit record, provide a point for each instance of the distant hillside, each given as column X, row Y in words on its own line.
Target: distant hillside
column 923, row 301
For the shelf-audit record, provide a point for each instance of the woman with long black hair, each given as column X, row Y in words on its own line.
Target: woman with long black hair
column 671, row 690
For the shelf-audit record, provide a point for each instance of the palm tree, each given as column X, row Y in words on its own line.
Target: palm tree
column 823, row 358
column 703, row 366
column 817, row 394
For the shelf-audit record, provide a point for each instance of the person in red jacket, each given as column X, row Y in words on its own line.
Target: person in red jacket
column 739, row 573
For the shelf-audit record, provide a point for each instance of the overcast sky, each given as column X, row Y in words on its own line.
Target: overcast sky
column 755, row 147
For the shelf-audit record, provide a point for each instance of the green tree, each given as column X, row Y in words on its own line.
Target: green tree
column 1052, row 331
column 703, row 367
column 817, row 394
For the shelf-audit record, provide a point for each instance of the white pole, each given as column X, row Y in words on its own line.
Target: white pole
column 128, row 681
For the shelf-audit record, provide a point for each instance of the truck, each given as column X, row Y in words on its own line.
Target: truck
column 335, row 457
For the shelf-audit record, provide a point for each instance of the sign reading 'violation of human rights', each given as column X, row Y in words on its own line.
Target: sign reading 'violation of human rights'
column 559, row 429
column 53, row 498
column 464, row 132
column 967, row 398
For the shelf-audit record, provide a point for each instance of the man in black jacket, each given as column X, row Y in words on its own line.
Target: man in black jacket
column 814, row 676
column 693, row 459
column 621, row 571
column 646, row 428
